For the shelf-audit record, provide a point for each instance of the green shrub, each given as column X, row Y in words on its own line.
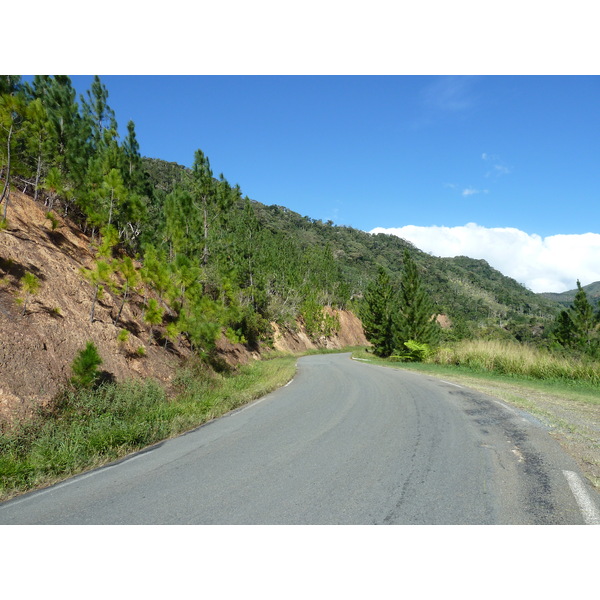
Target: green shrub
column 317, row 321
column 54, row 222
column 30, row 285
column 123, row 336
column 416, row 352
column 85, row 366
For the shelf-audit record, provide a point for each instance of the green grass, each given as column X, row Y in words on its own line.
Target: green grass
column 576, row 390
column 514, row 359
column 512, row 363
column 83, row 429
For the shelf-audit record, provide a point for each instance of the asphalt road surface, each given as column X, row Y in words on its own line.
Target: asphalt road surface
column 344, row 443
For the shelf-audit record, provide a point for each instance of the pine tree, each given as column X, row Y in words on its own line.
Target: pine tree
column 70, row 132
column 584, row 321
column 30, row 285
column 212, row 198
column 182, row 229
column 131, row 279
column 98, row 276
column 114, row 191
column 377, row 314
column 53, row 185
column 85, row 366
column 12, row 108
column 415, row 319
column 133, row 175
column 564, row 330
column 10, row 84
column 102, row 269
column 205, row 193
column 153, row 316
column 37, row 136
column 97, row 111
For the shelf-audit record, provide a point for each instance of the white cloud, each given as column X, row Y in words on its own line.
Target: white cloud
column 550, row 264
column 472, row 191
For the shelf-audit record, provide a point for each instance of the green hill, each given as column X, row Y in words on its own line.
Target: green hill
column 476, row 297
column 565, row 299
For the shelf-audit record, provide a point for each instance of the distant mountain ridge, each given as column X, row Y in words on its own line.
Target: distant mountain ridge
column 565, row 299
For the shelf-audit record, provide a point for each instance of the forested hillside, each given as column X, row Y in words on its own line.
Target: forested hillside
column 565, row 299
column 478, row 299
column 215, row 260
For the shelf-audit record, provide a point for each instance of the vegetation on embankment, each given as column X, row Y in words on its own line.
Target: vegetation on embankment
column 86, row 428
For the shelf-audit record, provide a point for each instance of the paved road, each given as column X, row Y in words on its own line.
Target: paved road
column 345, row 443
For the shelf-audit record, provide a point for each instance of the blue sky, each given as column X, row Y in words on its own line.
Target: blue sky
column 497, row 167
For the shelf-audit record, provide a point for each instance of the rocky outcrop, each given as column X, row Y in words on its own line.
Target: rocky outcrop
column 350, row 333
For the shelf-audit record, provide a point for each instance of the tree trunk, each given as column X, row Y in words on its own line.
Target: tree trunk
column 7, row 182
column 205, row 253
column 37, row 176
column 6, row 205
column 94, row 304
column 111, row 208
column 116, row 321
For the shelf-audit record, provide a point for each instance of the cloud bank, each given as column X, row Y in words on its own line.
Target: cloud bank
column 550, row 264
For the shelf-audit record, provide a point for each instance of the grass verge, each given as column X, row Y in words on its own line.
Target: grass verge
column 84, row 429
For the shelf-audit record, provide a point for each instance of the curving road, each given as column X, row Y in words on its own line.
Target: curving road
column 345, row 443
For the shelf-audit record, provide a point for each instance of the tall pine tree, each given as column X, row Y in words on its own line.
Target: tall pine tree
column 377, row 314
column 415, row 319
column 577, row 327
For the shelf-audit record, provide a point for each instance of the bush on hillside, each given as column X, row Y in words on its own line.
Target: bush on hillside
column 85, row 367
